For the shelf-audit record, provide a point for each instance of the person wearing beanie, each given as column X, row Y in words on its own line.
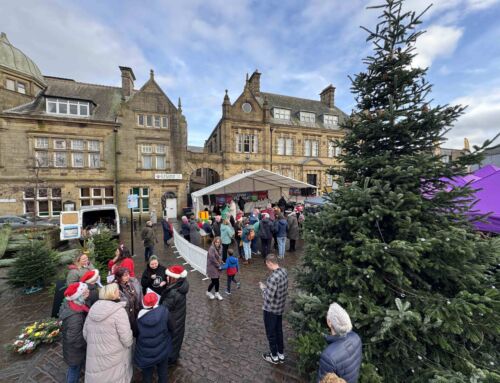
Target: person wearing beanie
column 149, row 240
column 343, row 354
column 281, row 229
column 266, row 234
column 72, row 314
column 216, row 226
column 81, row 264
column 194, row 231
column 109, row 339
column 154, row 340
column 123, row 258
column 91, row 278
column 154, row 276
column 174, row 298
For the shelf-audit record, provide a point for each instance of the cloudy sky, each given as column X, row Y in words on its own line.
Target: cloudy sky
column 198, row 48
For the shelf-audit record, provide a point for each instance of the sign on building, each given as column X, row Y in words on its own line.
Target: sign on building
column 166, row 176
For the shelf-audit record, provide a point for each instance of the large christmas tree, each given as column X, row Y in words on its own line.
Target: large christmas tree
column 393, row 247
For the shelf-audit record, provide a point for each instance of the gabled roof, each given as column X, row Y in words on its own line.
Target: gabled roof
column 106, row 99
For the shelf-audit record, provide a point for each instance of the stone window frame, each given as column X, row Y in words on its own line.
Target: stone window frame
column 161, row 119
column 288, row 150
column 308, row 147
column 52, row 199
column 249, row 138
column 53, row 155
column 17, row 84
column 143, row 199
column 96, row 199
column 153, row 155
column 332, row 149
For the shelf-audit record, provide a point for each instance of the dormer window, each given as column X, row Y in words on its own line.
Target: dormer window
column 67, row 107
column 307, row 117
column 330, row 120
column 281, row 114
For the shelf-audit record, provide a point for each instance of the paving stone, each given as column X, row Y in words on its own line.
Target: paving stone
column 223, row 341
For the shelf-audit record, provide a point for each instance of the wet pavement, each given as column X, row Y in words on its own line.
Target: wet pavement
column 223, row 341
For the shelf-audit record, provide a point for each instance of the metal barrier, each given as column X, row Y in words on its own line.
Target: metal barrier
column 195, row 256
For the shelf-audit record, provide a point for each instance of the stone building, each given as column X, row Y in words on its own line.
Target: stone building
column 69, row 142
column 65, row 142
column 291, row 136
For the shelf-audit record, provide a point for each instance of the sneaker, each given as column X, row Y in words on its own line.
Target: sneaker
column 281, row 358
column 218, row 296
column 227, row 292
column 268, row 357
column 238, row 285
column 210, row 295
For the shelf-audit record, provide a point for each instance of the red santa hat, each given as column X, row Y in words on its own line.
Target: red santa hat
column 176, row 271
column 75, row 290
column 90, row 276
column 150, row 300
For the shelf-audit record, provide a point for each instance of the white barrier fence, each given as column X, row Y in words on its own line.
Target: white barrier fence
column 195, row 256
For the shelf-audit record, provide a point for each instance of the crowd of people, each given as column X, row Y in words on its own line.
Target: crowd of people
column 107, row 329
column 131, row 321
column 253, row 234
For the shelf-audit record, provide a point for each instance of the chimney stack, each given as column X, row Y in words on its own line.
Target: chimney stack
column 328, row 96
column 127, row 81
column 254, row 83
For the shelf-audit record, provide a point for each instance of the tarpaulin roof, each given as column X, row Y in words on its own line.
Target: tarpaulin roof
column 488, row 198
column 256, row 180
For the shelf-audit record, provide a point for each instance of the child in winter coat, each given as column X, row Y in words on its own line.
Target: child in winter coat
column 232, row 268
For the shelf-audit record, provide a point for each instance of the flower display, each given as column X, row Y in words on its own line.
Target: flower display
column 31, row 336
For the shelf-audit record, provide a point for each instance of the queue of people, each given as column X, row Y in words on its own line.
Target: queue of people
column 108, row 329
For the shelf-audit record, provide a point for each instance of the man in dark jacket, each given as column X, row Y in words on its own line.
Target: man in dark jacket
column 266, row 234
column 149, row 239
column 73, row 313
column 174, row 298
column 344, row 351
column 216, row 226
column 168, row 232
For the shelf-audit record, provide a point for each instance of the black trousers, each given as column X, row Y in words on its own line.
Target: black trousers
column 274, row 332
column 292, row 245
column 224, row 251
column 275, row 242
column 266, row 246
column 161, row 369
column 231, row 279
column 214, row 283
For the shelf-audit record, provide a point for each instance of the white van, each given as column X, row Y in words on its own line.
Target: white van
column 88, row 220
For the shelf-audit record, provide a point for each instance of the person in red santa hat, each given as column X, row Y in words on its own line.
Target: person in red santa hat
column 73, row 313
column 91, row 278
column 174, row 298
column 154, row 340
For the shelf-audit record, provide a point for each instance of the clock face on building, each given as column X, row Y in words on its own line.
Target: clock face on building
column 247, row 107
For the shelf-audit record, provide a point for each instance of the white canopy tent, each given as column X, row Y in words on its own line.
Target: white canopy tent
column 256, row 180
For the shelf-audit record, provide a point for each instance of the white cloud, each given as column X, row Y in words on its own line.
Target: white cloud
column 438, row 41
column 481, row 120
column 67, row 42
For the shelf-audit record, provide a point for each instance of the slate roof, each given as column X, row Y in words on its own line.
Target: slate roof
column 105, row 100
column 196, row 149
column 296, row 105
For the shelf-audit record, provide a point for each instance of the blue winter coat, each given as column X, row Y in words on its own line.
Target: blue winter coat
column 281, row 228
column 342, row 356
column 154, row 342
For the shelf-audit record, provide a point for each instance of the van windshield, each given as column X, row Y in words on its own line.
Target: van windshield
column 99, row 219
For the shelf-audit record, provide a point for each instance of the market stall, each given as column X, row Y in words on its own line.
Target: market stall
column 257, row 187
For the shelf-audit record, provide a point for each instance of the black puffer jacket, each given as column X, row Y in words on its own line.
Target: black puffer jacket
column 93, row 294
column 73, row 343
column 174, row 298
column 265, row 229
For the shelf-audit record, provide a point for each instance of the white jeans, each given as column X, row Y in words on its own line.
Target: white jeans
column 247, row 249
